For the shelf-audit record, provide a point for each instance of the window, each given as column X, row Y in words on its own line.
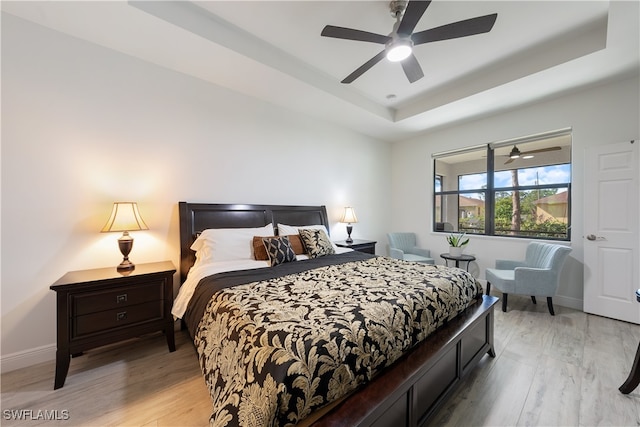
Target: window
column 517, row 188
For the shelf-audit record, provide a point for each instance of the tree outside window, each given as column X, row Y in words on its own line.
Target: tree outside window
column 533, row 202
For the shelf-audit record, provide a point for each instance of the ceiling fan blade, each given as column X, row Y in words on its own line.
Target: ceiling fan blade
column 412, row 14
column 351, row 34
column 541, row 150
column 524, row 153
column 412, row 69
column 468, row 27
column 364, row 67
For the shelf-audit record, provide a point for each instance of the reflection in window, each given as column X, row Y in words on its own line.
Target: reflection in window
column 523, row 192
column 438, row 211
column 459, row 204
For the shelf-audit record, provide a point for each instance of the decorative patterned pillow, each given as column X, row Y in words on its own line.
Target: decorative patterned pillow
column 259, row 251
column 316, row 242
column 278, row 250
column 296, row 244
column 289, row 230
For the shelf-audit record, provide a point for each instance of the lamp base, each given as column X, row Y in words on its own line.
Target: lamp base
column 126, row 265
column 349, row 230
column 125, row 243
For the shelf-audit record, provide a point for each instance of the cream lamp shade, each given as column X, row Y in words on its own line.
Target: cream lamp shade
column 349, row 216
column 125, row 217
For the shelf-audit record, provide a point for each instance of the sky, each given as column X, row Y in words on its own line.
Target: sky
column 556, row 174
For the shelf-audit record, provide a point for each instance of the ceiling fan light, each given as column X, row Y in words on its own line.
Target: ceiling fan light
column 398, row 50
column 515, row 153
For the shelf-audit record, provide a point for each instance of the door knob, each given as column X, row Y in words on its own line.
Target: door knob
column 593, row 237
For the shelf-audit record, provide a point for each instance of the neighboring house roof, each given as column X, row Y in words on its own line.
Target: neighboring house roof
column 469, row 201
column 558, row 198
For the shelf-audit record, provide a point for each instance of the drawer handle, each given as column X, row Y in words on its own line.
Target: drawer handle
column 121, row 316
column 121, row 298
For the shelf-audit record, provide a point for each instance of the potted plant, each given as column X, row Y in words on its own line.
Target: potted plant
column 457, row 242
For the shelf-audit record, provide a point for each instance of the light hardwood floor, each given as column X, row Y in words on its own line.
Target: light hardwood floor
column 548, row 371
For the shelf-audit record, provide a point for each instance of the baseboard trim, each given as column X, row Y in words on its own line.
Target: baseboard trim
column 575, row 303
column 24, row 359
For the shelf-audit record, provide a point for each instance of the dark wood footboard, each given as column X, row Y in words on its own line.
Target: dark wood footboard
column 410, row 391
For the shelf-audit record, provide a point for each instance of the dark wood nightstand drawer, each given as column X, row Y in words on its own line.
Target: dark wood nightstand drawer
column 93, row 302
column 115, row 318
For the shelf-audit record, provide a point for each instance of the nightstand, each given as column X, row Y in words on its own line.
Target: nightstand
column 367, row 246
column 103, row 306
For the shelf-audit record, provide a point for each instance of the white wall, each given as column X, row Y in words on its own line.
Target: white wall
column 83, row 126
column 601, row 115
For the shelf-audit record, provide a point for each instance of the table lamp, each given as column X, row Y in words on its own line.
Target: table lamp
column 349, row 217
column 125, row 217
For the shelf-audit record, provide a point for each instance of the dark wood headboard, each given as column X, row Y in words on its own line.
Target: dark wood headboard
column 196, row 217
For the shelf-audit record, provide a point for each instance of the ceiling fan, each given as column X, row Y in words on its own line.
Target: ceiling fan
column 400, row 42
column 517, row 154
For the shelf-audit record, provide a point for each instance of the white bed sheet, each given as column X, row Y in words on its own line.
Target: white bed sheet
column 202, row 270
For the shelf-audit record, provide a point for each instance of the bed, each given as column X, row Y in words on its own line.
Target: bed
column 336, row 338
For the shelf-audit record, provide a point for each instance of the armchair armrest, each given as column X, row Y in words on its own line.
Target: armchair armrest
column 505, row 264
column 396, row 253
column 535, row 281
column 420, row 251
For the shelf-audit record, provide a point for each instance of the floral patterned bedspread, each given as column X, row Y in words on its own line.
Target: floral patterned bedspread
column 274, row 350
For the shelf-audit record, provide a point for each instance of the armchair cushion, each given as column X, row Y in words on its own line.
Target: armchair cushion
column 426, row 253
column 418, row 258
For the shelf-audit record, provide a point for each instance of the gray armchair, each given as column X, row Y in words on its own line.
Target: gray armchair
column 403, row 246
column 537, row 275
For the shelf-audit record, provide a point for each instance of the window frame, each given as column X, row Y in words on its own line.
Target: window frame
column 437, row 178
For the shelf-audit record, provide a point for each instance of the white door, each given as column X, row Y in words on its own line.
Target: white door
column 611, row 231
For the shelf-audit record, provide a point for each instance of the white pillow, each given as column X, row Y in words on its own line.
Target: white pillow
column 286, row 230
column 228, row 244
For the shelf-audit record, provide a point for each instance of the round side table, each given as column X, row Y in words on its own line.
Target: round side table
column 464, row 258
